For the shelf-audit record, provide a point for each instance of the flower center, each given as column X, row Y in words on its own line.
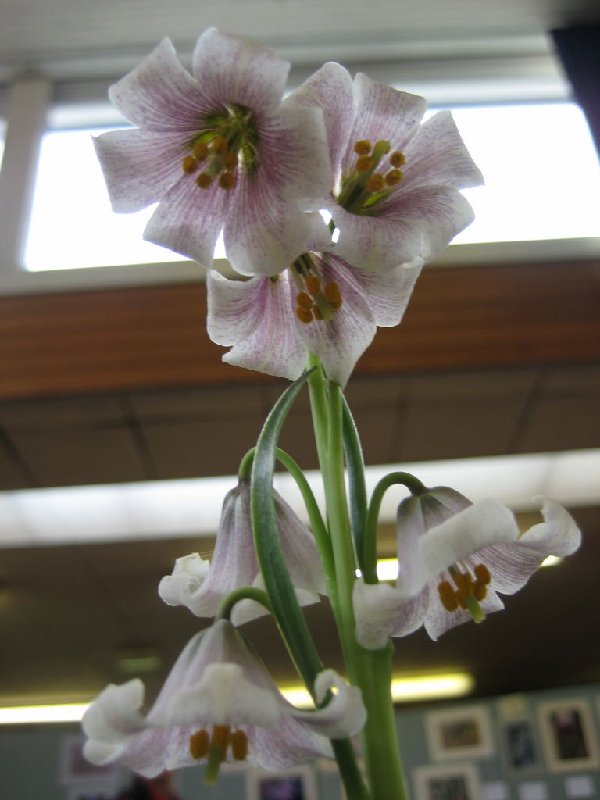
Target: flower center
column 375, row 174
column 225, row 140
column 316, row 299
column 213, row 746
column 468, row 590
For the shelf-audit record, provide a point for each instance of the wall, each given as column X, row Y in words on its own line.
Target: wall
column 30, row 757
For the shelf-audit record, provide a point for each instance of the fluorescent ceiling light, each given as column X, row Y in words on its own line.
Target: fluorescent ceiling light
column 418, row 687
column 160, row 509
column 404, row 689
column 28, row 715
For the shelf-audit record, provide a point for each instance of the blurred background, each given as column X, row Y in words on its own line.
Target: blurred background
column 120, row 428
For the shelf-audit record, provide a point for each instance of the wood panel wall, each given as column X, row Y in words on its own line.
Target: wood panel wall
column 140, row 338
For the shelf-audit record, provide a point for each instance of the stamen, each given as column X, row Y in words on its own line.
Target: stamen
column 199, row 744
column 362, row 147
column 190, row 164
column 469, row 592
column 227, row 180
column 313, row 284
column 332, row 295
column 219, row 145
column 304, row 301
column 239, row 745
column 393, row 177
column 375, row 183
column 364, row 164
column 200, row 150
column 397, row 159
column 304, row 314
column 204, row 180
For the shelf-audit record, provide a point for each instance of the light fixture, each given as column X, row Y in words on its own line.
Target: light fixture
column 28, row 715
column 404, row 689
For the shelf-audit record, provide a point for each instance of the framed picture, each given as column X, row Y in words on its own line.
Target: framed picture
column 459, row 733
column 520, row 745
column 446, row 782
column 75, row 768
column 297, row 783
column 568, row 735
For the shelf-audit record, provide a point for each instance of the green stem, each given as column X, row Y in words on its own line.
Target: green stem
column 371, row 671
column 244, row 593
column 369, row 554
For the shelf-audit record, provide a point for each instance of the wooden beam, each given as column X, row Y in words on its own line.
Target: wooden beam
column 141, row 338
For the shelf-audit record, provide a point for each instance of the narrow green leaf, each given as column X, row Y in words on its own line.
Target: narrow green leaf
column 357, row 489
column 278, row 585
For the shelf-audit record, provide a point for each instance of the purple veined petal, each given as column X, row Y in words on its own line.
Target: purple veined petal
column 511, row 565
column 232, row 69
column 557, row 535
column 159, row 94
column 477, row 527
column 345, row 713
column 381, row 112
column 268, row 226
column 437, row 155
column 330, row 89
column 288, row 744
column 256, row 319
column 340, row 341
column 388, row 292
column 381, row 242
column 188, row 220
column 139, row 166
column 382, row 611
column 299, row 549
column 418, row 223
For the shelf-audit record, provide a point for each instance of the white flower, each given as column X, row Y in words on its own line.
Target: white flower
column 454, row 558
column 202, row 586
column 218, row 704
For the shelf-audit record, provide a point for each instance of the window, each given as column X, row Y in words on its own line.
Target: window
column 538, row 161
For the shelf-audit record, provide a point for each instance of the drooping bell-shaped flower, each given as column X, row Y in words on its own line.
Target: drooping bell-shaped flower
column 320, row 305
column 396, row 193
column 218, row 704
column 454, row 559
column 202, row 586
column 218, row 150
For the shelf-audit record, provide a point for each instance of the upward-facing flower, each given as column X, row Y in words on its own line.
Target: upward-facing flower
column 454, row 558
column 218, row 150
column 396, row 183
column 202, row 586
column 218, row 704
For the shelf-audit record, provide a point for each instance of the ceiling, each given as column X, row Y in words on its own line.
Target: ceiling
column 68, row 614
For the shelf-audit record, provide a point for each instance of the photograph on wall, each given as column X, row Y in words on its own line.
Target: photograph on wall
column 459, row 733
column 456, row 782
column 292, row 784
column 520, row 745
column 568, row 735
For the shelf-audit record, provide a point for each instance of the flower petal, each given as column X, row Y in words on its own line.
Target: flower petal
column 557, row 535
column 268, row 226
column 159, row 94
column 115, row 713
column 180, row 588
column 438, row 620
column 233, row 69
column 256, row 319
column 417, row 224
column 340, row 341
column 345, row 713
column 437, row 155
column 382, row 611
column 382, row 112
column 389, row 291
column 330, row 89
column 478, row 526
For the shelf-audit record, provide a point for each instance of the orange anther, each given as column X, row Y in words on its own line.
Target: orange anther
column 397, row 159
column 200, row 150
column 375, row 183
column 239, row 745
column 199, row 743
column 189, row 164
column 204, row 180
column 362, row 147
